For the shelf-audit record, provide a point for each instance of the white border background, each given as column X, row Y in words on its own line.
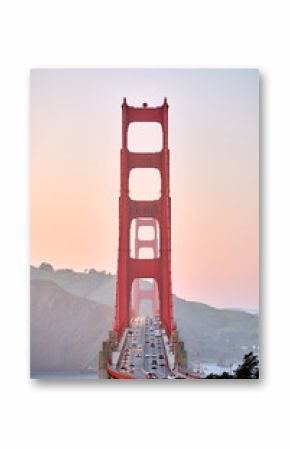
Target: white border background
column 149, row 33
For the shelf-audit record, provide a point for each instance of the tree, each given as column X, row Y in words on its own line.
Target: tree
column 224, row 375
column 46, row 267
column 249, row 369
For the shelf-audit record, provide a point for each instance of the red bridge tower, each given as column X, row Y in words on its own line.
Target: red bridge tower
column 158, row 268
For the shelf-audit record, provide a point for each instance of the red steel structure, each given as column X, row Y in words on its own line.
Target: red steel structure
column 140, row 294
column 158, row 268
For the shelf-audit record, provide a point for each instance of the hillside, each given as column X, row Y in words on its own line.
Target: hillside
column 66, row 331
column 218, row 335
column 98, row 286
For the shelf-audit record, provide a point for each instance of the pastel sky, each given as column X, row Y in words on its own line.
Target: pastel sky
column 214, row 150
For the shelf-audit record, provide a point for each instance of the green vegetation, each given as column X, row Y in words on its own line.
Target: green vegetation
column 248, row 370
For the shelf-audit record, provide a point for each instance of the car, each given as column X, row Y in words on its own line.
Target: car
column 151, row 376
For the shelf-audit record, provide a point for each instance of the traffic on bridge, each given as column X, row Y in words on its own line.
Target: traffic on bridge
column 144, row 353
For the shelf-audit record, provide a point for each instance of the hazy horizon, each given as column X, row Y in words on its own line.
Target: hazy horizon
column 86, row 271
column 214, row 149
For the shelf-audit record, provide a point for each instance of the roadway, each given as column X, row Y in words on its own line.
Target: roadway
column 143, row 354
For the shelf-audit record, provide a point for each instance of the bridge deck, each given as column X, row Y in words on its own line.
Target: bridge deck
column 145, row 353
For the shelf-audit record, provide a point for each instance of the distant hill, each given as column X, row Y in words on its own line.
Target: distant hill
column 240, row 309
column 218, row 335
column 66, row 331
column 98, row 286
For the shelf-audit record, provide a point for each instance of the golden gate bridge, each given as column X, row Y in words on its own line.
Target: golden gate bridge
column 142, row 347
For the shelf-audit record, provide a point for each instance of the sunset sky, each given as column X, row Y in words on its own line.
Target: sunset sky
column 214, row 150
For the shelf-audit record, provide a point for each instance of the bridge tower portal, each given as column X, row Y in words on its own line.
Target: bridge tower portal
column 140, row 293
